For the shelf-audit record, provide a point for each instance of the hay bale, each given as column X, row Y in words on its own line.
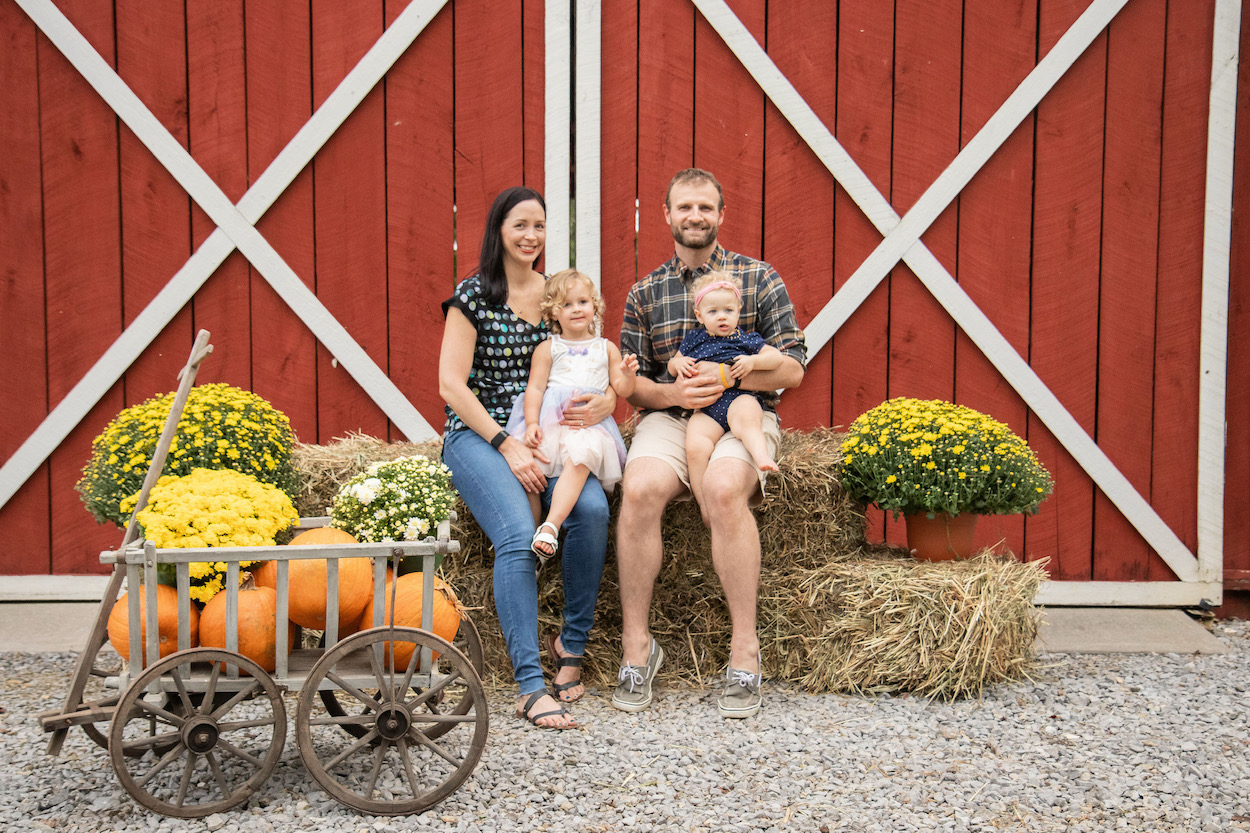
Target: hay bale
column 835, row 613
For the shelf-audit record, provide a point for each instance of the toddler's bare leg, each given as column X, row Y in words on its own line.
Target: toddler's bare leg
column 746, row 421
column 701, row 436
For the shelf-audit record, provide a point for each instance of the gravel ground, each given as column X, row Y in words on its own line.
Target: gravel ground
column 1095, row 743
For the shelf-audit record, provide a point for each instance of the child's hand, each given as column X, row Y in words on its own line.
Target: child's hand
column 742, row 366
column 687, row 367
column 629, row 364
column 533, row 436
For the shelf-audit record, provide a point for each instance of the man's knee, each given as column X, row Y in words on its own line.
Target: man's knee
column 647, row 487
column 729, row 485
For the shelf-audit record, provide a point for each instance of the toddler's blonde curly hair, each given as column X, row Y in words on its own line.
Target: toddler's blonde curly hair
column 558, row 287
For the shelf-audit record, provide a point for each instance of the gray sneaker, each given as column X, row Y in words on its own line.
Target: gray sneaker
column 741, row 697
column 633, row 692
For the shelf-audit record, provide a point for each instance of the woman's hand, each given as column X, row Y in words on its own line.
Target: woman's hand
column 521, row 460
column 587, row 409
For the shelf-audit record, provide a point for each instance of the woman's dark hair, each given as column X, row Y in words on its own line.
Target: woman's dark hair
column 490, row 265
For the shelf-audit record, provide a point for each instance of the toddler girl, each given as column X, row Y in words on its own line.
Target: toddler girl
column 575, row 360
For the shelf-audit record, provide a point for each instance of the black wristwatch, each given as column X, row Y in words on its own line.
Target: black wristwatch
column 498, row 439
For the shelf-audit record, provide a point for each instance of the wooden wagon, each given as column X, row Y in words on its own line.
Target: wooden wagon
column 389, row 720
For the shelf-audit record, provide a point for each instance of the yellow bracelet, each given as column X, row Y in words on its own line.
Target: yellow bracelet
column 725, row 383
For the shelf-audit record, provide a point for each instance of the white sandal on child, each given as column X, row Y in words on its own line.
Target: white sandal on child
column 548, row 538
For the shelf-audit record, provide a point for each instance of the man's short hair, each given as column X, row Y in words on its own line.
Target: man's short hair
column 694, row 176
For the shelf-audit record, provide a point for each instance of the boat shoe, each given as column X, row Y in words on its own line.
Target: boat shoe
column 633, row 692
column 741, row 697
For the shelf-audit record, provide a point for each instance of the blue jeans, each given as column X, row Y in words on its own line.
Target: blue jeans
column 499, row 505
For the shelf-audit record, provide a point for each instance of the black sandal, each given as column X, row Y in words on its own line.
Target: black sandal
column 563, row 661
column 523, row 711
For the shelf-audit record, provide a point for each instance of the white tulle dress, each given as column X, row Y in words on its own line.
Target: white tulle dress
column 577, row 367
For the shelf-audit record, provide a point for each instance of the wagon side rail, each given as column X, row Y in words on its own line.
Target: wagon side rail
column 142, row 558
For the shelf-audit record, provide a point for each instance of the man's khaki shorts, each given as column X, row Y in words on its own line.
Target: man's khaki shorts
column 663, row 436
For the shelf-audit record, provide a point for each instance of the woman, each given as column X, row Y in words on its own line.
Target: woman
column 492, row 327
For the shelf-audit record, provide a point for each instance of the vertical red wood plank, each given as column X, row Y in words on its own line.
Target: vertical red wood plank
column 618, row 158
column 490, row 113
column 729, row 127
column 24, row 403
column 618, row 164
column 419, row 208
column 1129, row 266
column 1237, row 452
column 349, row 177
column 1066, row 235
column 926, row 138
column 666, row 77
column 1185, row 106
column 865, row 107
column 995, row 215
column 927, row 51
column 534, row 76
column 217, row 85
column 83, row 267
column 279, row 97
column 799, row 190
column 152, row 60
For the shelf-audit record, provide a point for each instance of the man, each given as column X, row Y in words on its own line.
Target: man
column 658, row 313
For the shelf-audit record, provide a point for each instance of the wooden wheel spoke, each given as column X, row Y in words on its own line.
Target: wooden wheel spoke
column 360, row 743
column 368, row 700
column 218, row 775
column 235, row 725
column 365, row 719
column 379, row 754
column 154, row 740
column 438, row 718
column 166, row 759
column 186, row 780
column 408, row 672
column 210, row 690
column 156, row 711
column 408, row 773
column 435, row 689
column 379, row 673
column 239, row 697
column 237, row 752
column 434, row 747
column 187, row 706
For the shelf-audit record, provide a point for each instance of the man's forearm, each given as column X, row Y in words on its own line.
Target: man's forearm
column 651, row 394
column 788, row 375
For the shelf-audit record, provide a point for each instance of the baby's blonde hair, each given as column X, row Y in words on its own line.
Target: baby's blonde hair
column 706, row 280
column 557, row 287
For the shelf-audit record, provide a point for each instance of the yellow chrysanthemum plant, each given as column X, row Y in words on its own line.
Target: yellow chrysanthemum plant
column 211, row 508
column 221, row 427
column 911, row 456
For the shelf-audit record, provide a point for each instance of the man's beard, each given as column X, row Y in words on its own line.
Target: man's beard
column 695, row 238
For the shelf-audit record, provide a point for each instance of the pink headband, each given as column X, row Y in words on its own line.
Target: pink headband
column 714, row 286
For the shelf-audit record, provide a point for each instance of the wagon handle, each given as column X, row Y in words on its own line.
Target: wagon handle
column 86, row 659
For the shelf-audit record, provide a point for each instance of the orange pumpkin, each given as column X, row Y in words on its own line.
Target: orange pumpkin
column 258, row 610
column 166, row 623
column 306, row 581
column 408, row 587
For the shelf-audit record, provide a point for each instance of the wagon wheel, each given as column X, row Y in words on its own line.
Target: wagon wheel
column 399, row 765
column 205, row 755
column 93, row 691
column 454, row 699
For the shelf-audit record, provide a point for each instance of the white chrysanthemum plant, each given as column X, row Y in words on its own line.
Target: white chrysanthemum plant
column 395, row 500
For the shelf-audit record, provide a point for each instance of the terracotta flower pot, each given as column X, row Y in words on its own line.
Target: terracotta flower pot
column 942, row 537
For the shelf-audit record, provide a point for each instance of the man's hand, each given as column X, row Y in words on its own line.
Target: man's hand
column 694, row 392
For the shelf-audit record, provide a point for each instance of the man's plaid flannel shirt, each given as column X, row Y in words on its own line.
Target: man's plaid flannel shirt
column 659, row 311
